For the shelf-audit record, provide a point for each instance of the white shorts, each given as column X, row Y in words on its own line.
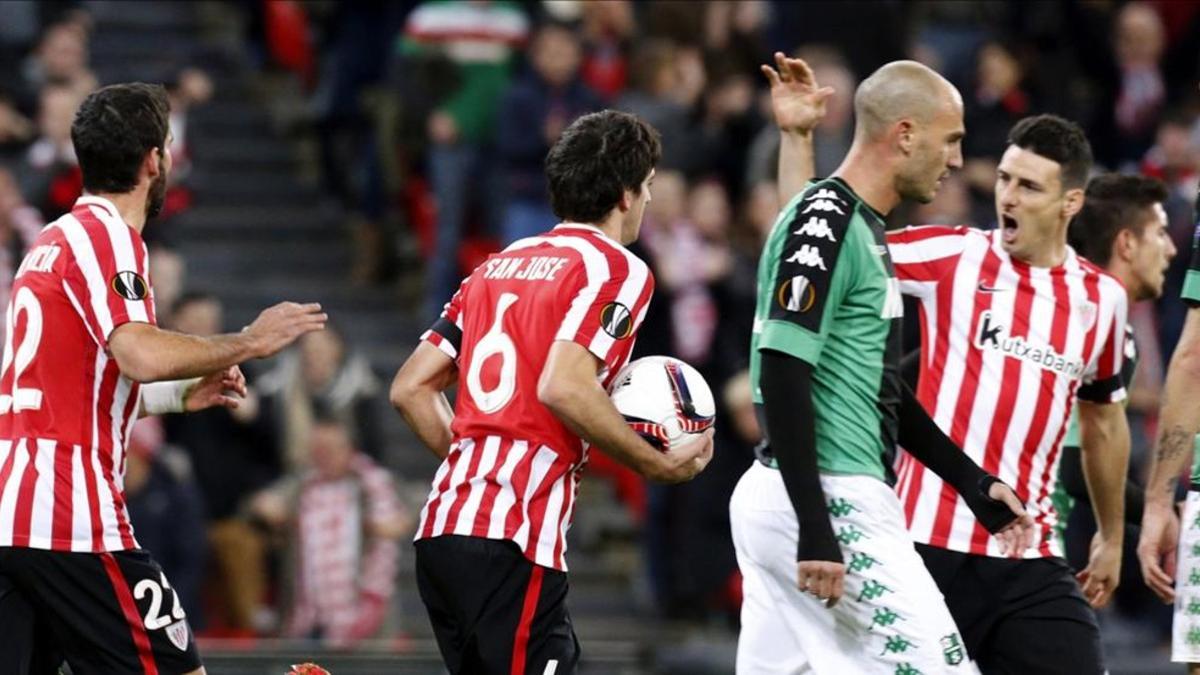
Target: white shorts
column 891, row 619
column 1185, row 629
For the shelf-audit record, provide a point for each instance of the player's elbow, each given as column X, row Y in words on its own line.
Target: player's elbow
column 402, row 392
column 133, row 360
column 1185, row 365
column 555, row 393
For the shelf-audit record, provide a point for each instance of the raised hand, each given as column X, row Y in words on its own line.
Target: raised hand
column 796, row 100
column 279, row 326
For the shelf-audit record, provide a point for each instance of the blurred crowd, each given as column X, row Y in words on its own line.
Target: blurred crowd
column 432, row 120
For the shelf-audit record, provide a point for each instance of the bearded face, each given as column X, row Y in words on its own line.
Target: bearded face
column 157, row 193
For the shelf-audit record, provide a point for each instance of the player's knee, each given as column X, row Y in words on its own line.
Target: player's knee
column 198, row 671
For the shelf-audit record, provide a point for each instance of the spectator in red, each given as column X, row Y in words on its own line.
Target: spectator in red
column 346, row 528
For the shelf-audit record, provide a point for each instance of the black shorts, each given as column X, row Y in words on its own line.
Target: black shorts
column 1018, row 616
column 104, row 612
column 493, row 611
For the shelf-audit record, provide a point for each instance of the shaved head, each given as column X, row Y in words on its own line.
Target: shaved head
column 900, row 90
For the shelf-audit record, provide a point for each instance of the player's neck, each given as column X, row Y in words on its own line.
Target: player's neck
column 861, row 171
column 131, row 206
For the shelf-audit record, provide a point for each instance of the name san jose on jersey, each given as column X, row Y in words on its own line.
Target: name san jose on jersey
column 1006, row 350
column 513, row 468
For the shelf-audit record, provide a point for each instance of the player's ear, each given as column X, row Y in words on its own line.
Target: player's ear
column 905, row 133
column 1123, row 245
column 626, row 202
column 152, row 162
column 1072, row 203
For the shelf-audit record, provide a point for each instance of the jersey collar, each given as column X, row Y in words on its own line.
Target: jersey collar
column 93, row 200
column 579, row 226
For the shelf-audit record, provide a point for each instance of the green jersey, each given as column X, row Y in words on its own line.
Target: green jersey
column 1191, row 295
column 827, row 294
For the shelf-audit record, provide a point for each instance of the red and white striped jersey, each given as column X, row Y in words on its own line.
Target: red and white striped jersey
column 65, row 408
column 513, row 467
column 1005, row 350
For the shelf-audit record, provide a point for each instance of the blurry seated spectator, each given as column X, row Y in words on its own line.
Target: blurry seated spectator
column 539, row 105
column 346, row 521
column 998, row 100
column 480, row 39
column 656, row 95
column 167, row 511
column 323, row 373
column 234, row 454
column 51, row 179
column 16, row 130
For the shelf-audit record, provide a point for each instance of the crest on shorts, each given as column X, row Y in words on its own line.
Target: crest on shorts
column 178, row 634
column 130, row 285
column 952, row 649
column 617, row 320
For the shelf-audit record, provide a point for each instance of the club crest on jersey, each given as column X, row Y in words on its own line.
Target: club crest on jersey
column 797, row 294
column 616, row 320
column 177, row 633
column 130, row 285
column 952, row 649
column 1087, row 314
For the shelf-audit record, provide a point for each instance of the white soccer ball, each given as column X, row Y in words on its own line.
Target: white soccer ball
column 663, row 399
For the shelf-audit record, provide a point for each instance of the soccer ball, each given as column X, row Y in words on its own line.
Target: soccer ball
column 664, row 400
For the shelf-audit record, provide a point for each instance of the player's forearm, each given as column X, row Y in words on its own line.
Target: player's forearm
column 788, row 407
column 429, row 415
column 1104, row 444
column 145, row 353
column 588, row 412
column 796, row 166
column 1179, row 418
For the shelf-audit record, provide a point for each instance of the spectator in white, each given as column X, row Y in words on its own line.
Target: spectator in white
column 347, row 524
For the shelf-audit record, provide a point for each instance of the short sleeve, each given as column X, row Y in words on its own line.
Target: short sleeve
column 606, row 300
column 1103, row 383
column 109, row 279
column 815, row 268
column 924, row 254
column 446, row 333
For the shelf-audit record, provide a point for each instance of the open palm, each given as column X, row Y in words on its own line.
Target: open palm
column 796, row 100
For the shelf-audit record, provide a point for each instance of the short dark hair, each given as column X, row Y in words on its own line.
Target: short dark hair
column 598, row 157
column 1059, row 139
column 1113, row 202
column 114, row 129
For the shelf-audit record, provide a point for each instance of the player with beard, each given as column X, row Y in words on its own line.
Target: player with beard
column 82, row 360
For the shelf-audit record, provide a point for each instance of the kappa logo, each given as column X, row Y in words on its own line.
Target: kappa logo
column 824, row 205
column 617, row 320
column 130, row 285
column 809, row 256
column 824, row 193
column 179, row 635
column 797, row 294
column 818, row 228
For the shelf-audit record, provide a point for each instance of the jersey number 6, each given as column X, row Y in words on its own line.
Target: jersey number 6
column 494, row 343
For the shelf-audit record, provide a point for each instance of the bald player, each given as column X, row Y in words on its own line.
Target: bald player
column 1017, row 331
column 849, row 594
